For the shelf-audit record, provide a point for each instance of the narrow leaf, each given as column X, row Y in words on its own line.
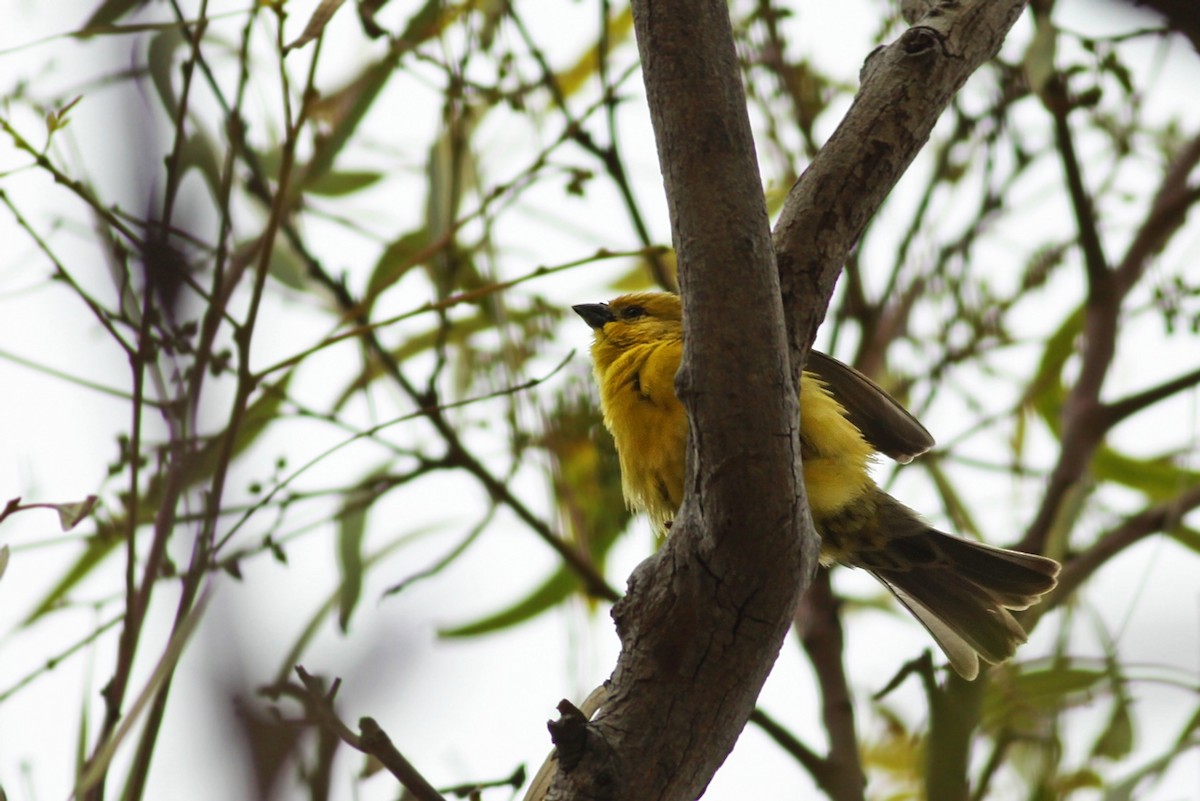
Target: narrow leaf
column 336, row 184
column 160, row 61
column 397, row 259
column 98, row 548
column 1186, row 536
column 316, row 23
column 1116, row 741
column 557, row 588
column 1046, row 391
column 570, row 80
column 352, row 525
column 110, row 11
column 165, row 668
column 314, row 624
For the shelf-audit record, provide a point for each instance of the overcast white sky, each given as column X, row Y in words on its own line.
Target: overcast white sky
column 473, row 709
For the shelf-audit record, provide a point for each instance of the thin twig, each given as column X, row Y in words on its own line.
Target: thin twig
column 372, row 740
column 1154, row 519
column 816, row 765
column 1113, row 413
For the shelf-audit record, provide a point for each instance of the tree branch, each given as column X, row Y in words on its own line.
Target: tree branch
column 816, row 765
column 1095, row 261
column 372, row 741
column 1083, row 415
column 704, row 619
column 1152, row 520
column 1172, row 202
column 905, row 87
column 1113, row 413
column 820, row 631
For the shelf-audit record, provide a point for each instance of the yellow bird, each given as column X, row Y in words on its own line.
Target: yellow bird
column 960, row 590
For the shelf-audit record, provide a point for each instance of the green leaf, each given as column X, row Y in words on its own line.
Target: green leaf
column 394, row 263
column 343, row 110
column 98, row 766
column 553, row 591
column 199, row 154
column 1028, row 697
column 456, row 336
column 160, row 62
column 83, row 736
column 338, row 183
column 1039, row 57
column 259, row 414
column 575, row 77
column 1069, row 783
column 110, row 11
column 1046, row 391
column 352, row 524
column 452, row 173
column 1116, row 741
column 1020, row 434
column 1056, row 685
column 587, row 490
column 958, row 512
column 58, row 119
column 1159, row 479
column 327, row 606
column 98, row 548
column 1186, row 536
column 316, row 23
column 430, row 20
column 1134, row 786
column 285, row 266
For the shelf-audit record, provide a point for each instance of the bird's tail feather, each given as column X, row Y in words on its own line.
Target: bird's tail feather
column 959, row 589
column 966, row 623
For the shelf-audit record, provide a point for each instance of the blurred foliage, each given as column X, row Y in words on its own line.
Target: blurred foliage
column 337, row 258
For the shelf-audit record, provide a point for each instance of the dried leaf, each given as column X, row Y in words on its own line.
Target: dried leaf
column 69, row 514
column 316, row 23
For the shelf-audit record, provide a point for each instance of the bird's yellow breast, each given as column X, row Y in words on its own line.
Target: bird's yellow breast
column 649, row 425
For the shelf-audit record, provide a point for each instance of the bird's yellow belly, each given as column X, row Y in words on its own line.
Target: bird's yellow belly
column 650, row 429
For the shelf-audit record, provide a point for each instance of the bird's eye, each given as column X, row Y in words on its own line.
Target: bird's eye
column 632, row 312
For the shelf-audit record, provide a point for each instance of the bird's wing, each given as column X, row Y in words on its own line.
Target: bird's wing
column 884, row 423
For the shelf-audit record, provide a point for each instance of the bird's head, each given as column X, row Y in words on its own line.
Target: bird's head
column 638, row 318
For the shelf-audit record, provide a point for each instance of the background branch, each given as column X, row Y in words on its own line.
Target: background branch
column 372, row 740
column 818, row 622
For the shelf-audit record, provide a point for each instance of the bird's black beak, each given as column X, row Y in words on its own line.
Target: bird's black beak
column 595, row 314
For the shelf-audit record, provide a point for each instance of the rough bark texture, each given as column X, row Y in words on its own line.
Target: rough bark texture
column 704, row 619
